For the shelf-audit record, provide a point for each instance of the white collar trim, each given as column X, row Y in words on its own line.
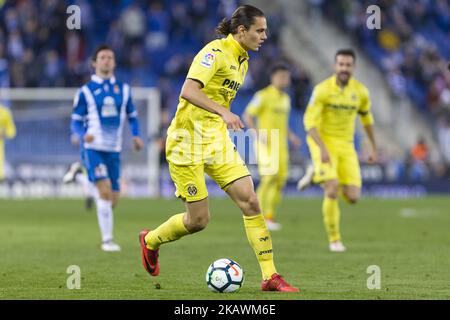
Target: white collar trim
column 100, row 80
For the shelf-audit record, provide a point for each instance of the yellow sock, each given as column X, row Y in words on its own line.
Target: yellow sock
column 278, row 194
column 171, row 230
column 259, row 238
column 261, row 192
column 267, row 193
column 331, row 217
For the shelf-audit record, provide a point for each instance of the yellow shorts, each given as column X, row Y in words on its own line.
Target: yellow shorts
column 272, row 163
column 188, row 172
column 344, row 164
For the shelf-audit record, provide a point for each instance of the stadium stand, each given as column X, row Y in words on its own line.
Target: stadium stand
column 154, row 43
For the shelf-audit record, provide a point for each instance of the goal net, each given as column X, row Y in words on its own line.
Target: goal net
column 41, row 152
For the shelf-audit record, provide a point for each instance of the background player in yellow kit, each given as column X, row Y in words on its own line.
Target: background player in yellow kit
column 198, row 142
column 330, row 123
column 7, row 130
column 271, row 107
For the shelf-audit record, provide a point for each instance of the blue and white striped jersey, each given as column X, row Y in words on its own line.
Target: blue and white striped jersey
column 100, row 109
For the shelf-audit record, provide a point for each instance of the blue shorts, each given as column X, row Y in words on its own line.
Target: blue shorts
column 103, row 165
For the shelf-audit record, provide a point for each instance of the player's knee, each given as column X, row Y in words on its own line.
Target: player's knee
column 332, row 189
column 104, row 190
column 352, row 198
column 197, row 224
column 115, row 198
column 105, row 194
column 252, row 204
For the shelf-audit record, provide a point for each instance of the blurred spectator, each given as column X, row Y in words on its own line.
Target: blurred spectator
column 158, row 25
column 419, row 151
column 133, row 24
column 4, row 71
column 419, row 160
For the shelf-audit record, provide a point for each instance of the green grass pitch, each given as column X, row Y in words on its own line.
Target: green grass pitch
column 408, row 239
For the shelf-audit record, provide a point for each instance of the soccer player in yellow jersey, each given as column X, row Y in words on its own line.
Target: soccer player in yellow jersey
column 7, row 130
column 271, row 107
column 198, row 143
column 330, row 123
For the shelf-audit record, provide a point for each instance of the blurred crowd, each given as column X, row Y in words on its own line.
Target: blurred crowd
column 149, row 38
column 154, row 41
column 412, row 47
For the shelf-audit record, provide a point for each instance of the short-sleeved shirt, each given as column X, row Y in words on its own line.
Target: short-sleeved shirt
column 333, row 110
column 220, row 67
column 104, row 105
column 271, row 107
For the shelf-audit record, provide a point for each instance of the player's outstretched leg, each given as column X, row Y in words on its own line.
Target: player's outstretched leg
column 193, row 220
column 242, row 192
column 267, row 192
column 149, row 256
column 150, row 241
column 331, row 216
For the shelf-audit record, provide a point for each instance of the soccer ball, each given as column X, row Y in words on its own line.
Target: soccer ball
column 224, row 275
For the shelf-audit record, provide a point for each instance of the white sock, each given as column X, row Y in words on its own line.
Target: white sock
column 89, row 189
column 105, row 218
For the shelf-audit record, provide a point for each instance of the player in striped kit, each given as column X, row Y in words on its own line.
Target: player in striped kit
column 100, row 109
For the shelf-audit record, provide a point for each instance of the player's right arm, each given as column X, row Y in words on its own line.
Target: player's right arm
column 79, row 113
column 367, row 121
column 191, row 91
column 205, row 65
column 311, row 120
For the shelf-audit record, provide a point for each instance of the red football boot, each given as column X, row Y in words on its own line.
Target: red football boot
column 149, row 257
column 277, row 283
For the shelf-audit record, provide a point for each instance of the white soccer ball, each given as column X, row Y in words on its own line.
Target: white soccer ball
column 224, row 275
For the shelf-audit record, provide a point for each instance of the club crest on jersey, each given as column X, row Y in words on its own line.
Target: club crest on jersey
column 101, row 171
column 109, row 107
column 116, row 89
column 208, row 60
column 191, row 189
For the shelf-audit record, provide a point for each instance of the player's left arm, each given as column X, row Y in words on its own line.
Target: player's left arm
column 79, row 114
column 294, row 139
column 367, row 122
column 132, row 114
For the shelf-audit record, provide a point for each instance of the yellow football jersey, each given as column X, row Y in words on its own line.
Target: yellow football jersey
column 333, row 110
column 7, row 130
column 271, row 107
column 221, row 67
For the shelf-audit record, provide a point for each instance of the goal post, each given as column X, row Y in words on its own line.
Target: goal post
column 41, row 151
